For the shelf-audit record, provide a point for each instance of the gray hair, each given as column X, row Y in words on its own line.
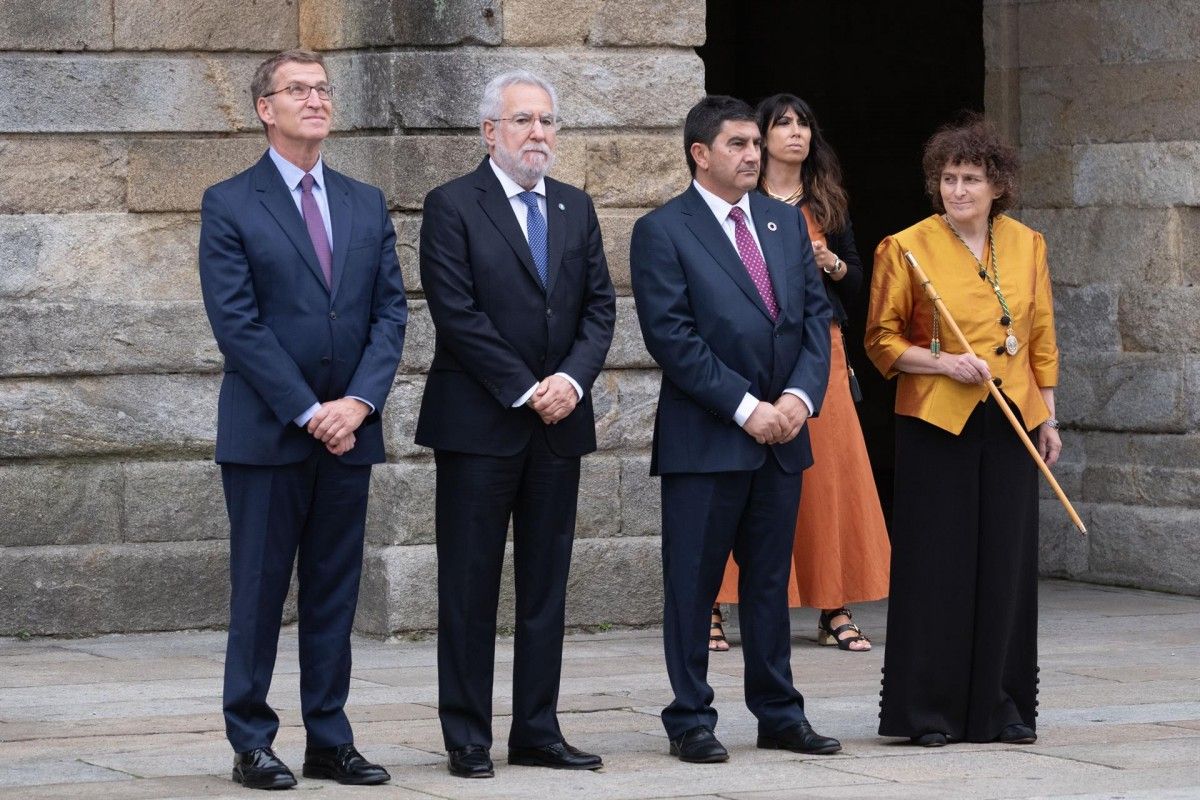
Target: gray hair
column 491, row 105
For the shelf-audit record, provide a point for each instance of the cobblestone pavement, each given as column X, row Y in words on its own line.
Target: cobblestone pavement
column 138, row 716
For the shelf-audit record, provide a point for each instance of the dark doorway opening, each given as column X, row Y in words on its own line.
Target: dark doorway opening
column 881, row 77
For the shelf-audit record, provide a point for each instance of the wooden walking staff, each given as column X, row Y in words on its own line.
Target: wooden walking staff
column 995, row 391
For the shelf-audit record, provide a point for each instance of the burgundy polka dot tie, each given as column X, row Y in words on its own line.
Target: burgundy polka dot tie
column 753, row 261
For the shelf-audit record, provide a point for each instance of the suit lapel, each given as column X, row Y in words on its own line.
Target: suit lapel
column 772, row 246
column 556, row 222
column 704, row 226
column 274, row 194
column 337, row 193
column 496, row 206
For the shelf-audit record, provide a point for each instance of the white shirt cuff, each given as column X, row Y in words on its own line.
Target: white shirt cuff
column 803, row 395
column 745, row 409
column 364, row 401
column 303, row 419
column 574, row 384
column 525, row 397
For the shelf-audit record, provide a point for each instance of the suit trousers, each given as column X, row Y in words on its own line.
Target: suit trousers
column 705, row 517
column 476, row 496
column 961, row 655
column 316, row 508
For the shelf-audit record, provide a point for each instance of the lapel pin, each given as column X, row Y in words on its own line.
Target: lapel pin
column 771, row 226
column 561, row 207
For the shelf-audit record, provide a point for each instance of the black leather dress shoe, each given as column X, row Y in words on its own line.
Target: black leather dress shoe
column 1018, row 734
column 343, row 764
column 559, row 755
column 933, row 739
column 261, row 769
column 471, row 761
column 699, row 746
column 800, row 738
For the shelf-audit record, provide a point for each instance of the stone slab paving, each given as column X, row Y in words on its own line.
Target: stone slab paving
column 137, row 716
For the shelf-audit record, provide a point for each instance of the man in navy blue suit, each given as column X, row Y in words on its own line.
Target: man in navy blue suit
column 732, row 309
column 513, row 268
column 302, row 288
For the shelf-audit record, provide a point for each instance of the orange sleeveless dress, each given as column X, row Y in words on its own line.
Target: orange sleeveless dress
column 841, row 554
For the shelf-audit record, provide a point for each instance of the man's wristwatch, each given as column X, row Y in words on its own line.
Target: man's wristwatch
column 837, row 266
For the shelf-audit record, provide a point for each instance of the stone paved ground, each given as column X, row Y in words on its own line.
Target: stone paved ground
column 137, row 717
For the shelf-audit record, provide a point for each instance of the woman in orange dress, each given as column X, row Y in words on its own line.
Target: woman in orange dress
column 841, row 551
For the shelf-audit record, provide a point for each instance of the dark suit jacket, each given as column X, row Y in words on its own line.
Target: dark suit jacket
column 705, row 324
column 288, row 340
column 842, row 293
column 498, row 330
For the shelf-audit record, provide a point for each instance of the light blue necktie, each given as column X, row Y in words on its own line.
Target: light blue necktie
column 535, row 223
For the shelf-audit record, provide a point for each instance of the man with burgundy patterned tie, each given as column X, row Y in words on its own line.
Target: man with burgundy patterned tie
column 513, row 269
column 731, row 307
column 303, row 291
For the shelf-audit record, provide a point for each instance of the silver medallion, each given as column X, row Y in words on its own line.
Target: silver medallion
column 1010, row 344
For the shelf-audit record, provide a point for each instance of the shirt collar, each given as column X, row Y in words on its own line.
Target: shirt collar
column 292, row 174
column 721, row 208
column 511, row 187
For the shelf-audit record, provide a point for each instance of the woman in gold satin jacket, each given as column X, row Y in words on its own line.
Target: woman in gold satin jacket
column 961, row 655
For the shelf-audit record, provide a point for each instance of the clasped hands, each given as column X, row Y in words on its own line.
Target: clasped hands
column 553, row 399
column 778, row 422
column 335, row 422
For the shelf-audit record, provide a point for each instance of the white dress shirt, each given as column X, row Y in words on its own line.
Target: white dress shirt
column 512, row 189
column 720, row 209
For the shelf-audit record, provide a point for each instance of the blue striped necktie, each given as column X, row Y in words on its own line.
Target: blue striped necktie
column 535, row 224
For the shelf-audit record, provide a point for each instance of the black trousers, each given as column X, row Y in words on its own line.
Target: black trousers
column 705, row 516
column 476, row 496
column 961, row 653
column 316, row 508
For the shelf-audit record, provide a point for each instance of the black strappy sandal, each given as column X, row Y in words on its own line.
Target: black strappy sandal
column 717, row 642
column 828, row 636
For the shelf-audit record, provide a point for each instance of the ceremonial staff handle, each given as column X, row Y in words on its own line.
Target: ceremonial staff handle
column 995, row 391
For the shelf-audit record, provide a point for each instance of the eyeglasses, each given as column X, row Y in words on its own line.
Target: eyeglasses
column 524, row 122
column 301, row 91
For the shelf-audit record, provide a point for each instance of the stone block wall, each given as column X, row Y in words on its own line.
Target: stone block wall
column 1102, row 96
column 120, row 113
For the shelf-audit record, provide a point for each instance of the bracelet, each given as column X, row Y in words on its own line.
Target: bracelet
column 1051, row 423
column 837, row 266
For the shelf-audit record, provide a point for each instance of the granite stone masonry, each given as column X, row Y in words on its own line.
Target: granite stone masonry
column 125, row 110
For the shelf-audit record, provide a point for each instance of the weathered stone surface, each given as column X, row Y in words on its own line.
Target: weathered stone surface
column 1062, row 550
column 1085, row 318
column 628, row 351
column 103, row 588
column 616, row 227
column 1154, row 548
column 260, row 25
column 604, row 23
column 1160, row 319
column 398, row 591
column 641, row 499
column 1047, row 176
column 172, row 174
column 1058, row 33
column 424, row 162
column 1110, row 103
column 97, row 338
column 1000, row 36
column 636, row 170
column 643, row 88
column 1123, row 392
column 59, row 503
column 1188, row 221
column 401, row 509
column 39, row 176
column 418, row 339
column 1191, row 384
column 1108, row 245
column 400, row 418
column 99, row 257
column 1150, row 30
column 169, row 501
column 1139, row 174
column 342, row 24
column 599, row 510
column 133, row 414
column 1144, row 470
column 1002, row 99
column 617, row 581
column 625, row 408
column 56, row 25
column 408, row 240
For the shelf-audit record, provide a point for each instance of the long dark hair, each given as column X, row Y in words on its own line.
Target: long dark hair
column 821, row 171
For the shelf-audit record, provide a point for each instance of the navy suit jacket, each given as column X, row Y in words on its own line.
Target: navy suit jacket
column 498, row 331
column 288, row 340
column 705, row 324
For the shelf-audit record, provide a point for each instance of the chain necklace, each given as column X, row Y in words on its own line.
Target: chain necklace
column 791, row 199
column 1011, row 345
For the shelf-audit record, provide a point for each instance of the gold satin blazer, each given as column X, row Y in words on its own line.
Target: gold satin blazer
column 901, row 316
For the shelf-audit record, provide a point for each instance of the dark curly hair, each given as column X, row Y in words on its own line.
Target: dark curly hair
column 971, row 140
